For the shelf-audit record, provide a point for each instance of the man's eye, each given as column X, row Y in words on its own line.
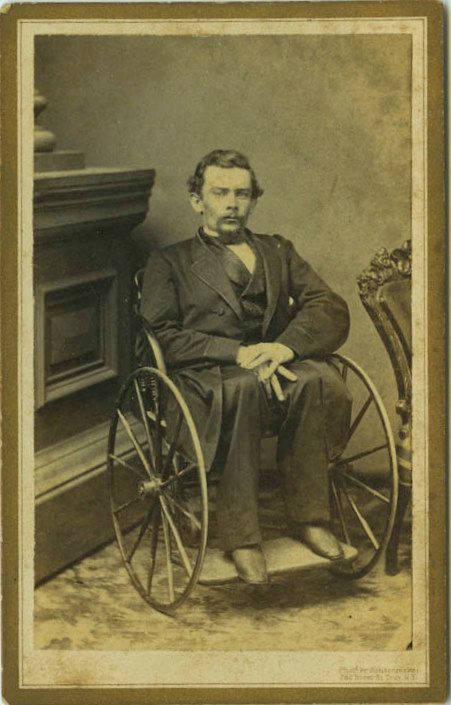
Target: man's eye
column 243, row 194
column 218, row 192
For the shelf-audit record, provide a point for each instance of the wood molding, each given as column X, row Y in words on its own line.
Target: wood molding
column 72, row 515
column 61, row 296
column 63, row 466
column 67, row 202
column 58, row 161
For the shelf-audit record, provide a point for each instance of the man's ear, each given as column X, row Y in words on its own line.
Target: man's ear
column 196, row 203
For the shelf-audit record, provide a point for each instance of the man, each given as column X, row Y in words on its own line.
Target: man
column 245, row 326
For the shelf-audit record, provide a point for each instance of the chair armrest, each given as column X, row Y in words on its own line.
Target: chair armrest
column 154, row 348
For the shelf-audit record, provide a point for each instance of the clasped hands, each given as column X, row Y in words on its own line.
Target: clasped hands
column 267, row 359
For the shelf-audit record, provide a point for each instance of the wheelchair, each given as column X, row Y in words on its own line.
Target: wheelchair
column 159, row 498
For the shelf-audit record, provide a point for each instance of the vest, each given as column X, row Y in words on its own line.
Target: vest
column 250, row 289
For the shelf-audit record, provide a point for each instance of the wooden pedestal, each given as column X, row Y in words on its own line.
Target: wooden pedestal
column 83, row 270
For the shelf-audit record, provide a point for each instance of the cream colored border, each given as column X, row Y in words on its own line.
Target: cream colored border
column 96, row 668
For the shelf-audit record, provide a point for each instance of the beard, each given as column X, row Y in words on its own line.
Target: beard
column 231, row 224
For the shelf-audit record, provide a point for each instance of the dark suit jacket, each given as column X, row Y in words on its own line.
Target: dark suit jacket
column 192, row 308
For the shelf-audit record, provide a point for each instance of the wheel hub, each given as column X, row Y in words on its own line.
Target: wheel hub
column 149, row 488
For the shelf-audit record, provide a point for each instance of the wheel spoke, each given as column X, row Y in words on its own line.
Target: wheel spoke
column 145, row 421
column 126, row 504
column 152, row 416
column 359, row 417
column 184, row 511
column 178, row 540
column 363, row 522
column 173, row 446
column 364, row 486
column 363, row 454
column 160, row 527
column 153, row 546
column 142, row 531
column 159, row 449
column 127, row 466
column 178, row 476
column 167, row 543
column 135, row 442
column 339, row 505
column 363, row 501
column 344, row 373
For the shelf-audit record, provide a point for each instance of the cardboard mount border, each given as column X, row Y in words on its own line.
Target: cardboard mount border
column 10, row 16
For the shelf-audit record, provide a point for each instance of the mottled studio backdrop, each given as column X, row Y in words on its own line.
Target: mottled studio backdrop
column 325, row 121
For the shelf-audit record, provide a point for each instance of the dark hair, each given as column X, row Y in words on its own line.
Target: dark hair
column 226, row 159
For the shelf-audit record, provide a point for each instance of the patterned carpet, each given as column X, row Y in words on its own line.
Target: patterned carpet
column 93, row 605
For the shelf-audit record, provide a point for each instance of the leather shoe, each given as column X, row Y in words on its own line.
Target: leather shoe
column 250, row 564
column 319, row 539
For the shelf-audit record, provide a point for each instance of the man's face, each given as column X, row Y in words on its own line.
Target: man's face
column 225, row 203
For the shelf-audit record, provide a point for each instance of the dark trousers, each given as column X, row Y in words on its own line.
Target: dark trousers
column 312, row 423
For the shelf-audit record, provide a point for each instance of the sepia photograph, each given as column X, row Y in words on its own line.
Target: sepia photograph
column 226, row 243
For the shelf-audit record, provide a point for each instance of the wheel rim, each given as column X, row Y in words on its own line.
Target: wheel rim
column 158, row 490
column 364, row 478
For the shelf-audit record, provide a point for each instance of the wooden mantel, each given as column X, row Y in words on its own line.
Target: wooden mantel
column 72, row 202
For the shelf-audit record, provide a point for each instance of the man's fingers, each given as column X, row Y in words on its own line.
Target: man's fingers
column 254, row 357
column 263, row 357
column 268, row 389
column 287, row 373
column 277, row 388
column 268, row 371
column 275, row 367
column 249, row 364
column 261, row 373
column 247, row 358
column 249, row 352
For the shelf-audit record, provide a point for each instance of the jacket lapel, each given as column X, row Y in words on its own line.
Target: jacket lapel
column 272, row 265
column 208, row 268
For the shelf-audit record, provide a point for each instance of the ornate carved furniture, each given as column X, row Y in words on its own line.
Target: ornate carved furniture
column 385, row 291
column 83, row 265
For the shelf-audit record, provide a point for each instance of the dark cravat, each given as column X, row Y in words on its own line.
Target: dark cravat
column 231, row 238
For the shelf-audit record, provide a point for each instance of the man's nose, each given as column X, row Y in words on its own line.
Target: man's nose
column 232, row 201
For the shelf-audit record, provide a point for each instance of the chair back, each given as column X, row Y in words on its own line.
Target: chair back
column 138, row 284
column 385, row 291
column 147, row 348
column 395, row 298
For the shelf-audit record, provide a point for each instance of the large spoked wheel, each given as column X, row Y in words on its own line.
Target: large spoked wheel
column 158, row 489
column 364, row 479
